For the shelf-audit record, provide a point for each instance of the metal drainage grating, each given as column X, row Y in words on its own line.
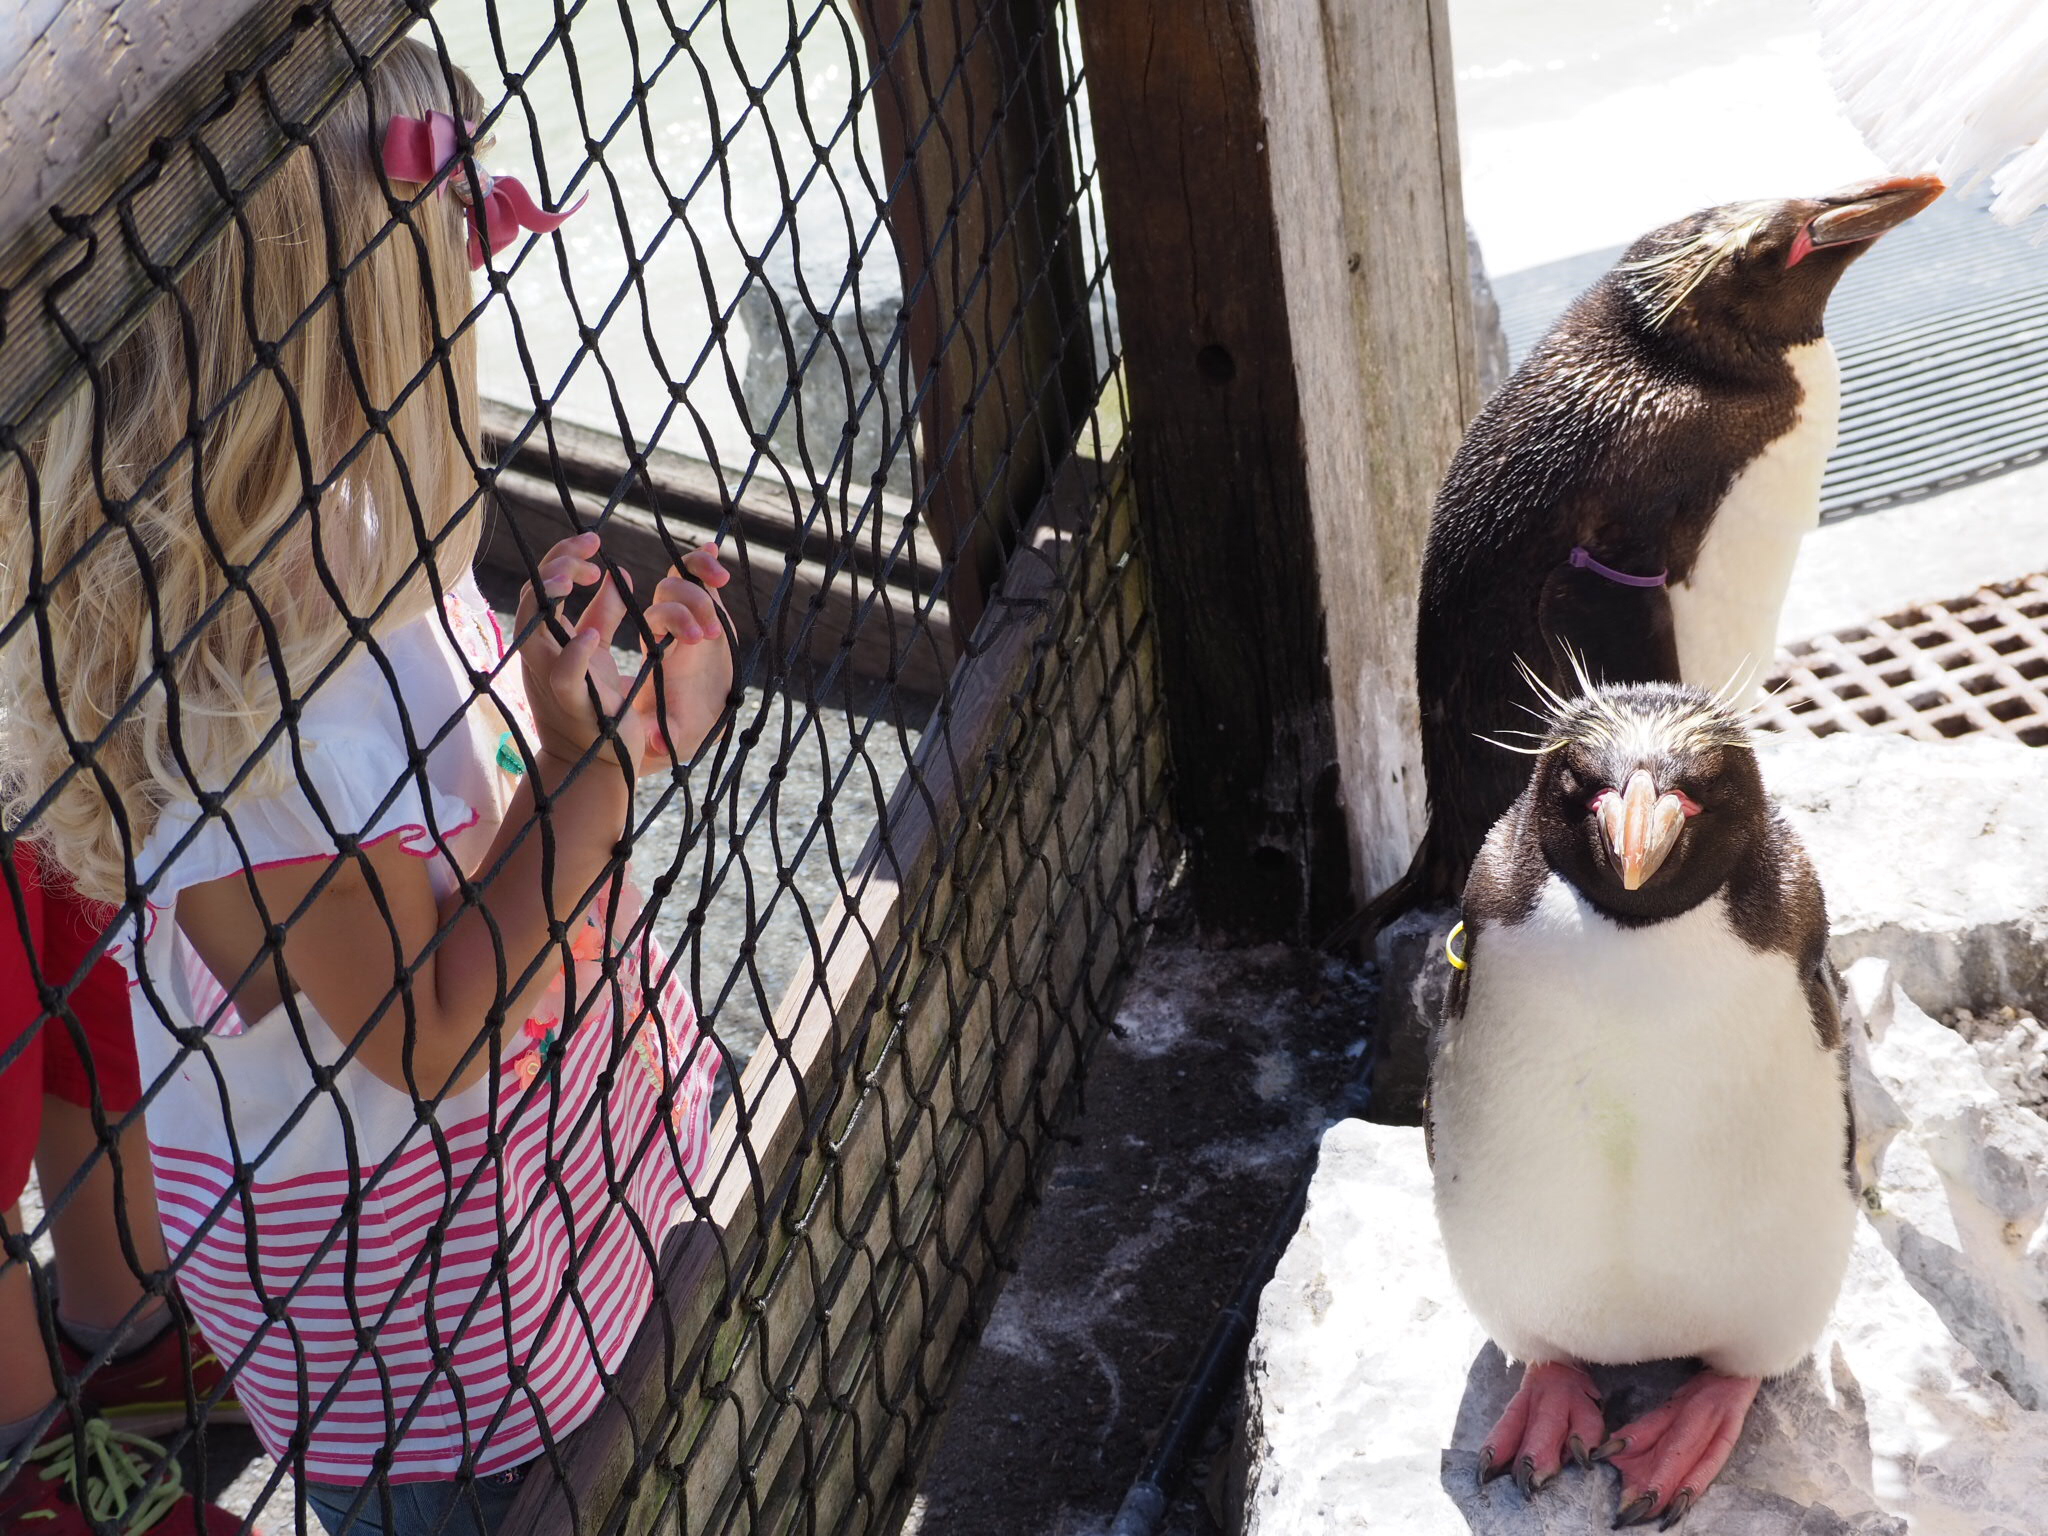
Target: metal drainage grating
column 1976, row 663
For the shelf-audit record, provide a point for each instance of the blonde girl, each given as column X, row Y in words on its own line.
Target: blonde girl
column 422, row 1099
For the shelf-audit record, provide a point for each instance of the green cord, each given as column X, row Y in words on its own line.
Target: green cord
column 121, row 1459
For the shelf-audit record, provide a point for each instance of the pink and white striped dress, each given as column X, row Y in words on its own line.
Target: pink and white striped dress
column 424, row 1290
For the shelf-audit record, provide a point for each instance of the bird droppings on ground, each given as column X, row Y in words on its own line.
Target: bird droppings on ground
column 1225, row 1067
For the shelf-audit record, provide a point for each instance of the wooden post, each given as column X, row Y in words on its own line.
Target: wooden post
column 1281, row 191
column 970, row 111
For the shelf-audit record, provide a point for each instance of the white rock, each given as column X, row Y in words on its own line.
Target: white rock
column 1962, row 1188
column 1370, row 1387
column 1934, row 856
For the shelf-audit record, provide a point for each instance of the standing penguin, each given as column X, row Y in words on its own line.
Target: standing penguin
column 1634, row 494
column 1638, row 1116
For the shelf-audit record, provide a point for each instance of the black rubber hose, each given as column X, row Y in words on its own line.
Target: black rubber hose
column 1144, row 1506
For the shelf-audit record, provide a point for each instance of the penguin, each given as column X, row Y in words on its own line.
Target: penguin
column 1634, row 494
column 1638, row 1115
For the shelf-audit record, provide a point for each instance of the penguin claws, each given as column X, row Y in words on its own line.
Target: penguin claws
column 1580, row 1456
column 1525, row 1475
column 1678, row 1509
column 1487, row 1470
column 1609, row 1448
column 1638, row 1511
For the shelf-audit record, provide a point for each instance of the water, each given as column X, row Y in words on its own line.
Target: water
column 744, row 122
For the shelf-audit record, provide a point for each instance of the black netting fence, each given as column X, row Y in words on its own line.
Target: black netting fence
column 581, row 755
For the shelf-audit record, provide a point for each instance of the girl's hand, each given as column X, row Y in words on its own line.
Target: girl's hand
column 560, row 678
column 679, row 708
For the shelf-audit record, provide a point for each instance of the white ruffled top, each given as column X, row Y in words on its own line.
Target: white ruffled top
column 433, row 1281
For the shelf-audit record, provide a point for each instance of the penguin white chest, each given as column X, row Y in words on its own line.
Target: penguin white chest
column 1725, row 613
column 1639, row 1143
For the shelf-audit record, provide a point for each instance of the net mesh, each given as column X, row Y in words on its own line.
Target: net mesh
column 537, row 1082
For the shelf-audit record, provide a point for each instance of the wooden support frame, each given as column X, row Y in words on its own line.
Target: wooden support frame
column 968, row 103
column 1281, row 191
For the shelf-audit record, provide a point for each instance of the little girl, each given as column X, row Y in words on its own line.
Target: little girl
column 426, row 1098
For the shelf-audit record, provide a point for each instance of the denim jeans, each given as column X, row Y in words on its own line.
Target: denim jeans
column 448, row 1508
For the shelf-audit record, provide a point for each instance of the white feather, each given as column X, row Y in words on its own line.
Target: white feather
column 1639, row 1144
column 1725, row 613
column 1960, row 88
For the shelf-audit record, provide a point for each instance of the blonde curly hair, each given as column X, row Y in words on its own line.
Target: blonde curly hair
column 189, row 579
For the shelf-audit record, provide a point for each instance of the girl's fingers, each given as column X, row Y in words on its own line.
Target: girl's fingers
column 680, row 589
column 569, row 560
column 572, row 666
column 604, row 613
column 686, row 621
column 568, row 568
column 702, row 562
column 581, row 544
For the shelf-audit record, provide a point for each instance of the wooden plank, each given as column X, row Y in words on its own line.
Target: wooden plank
column 76, row 73
column 133, row 171
column 879, row 537
column 968, row 102
column 1314, row 149
column 1362, row 143
column 1215, row 443
column 804, row 608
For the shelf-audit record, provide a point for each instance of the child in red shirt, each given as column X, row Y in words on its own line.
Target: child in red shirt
column 65, row 1039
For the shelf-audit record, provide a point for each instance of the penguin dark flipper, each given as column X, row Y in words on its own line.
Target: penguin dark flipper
column 1612, row 631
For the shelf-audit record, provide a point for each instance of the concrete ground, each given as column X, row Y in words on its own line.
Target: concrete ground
column 1945, row 546
column 1202, row 1109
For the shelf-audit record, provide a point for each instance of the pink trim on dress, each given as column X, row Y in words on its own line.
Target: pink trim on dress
column 408, row 835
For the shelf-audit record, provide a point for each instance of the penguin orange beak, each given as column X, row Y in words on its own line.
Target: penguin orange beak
column 1870, row 209
column 1641, row 827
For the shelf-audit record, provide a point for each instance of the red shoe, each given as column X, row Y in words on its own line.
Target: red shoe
column 144, row 1392
column 52, row 1495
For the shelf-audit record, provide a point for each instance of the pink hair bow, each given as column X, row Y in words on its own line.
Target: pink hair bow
column 419, row 149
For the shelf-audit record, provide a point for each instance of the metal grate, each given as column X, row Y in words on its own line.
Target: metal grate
column 1970, row 664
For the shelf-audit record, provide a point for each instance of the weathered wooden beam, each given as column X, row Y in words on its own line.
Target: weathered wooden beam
column 1362, row 139
column 880, row 537
column 970, row 111
column 1278, row 181
column 1215, row 447
column 103, row 106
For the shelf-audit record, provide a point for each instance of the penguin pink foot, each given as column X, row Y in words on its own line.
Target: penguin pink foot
column 1554, row 1413
column 1668, row 1458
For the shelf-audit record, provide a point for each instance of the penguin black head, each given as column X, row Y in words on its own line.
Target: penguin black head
column 1759, row 274
column 1646, row 798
